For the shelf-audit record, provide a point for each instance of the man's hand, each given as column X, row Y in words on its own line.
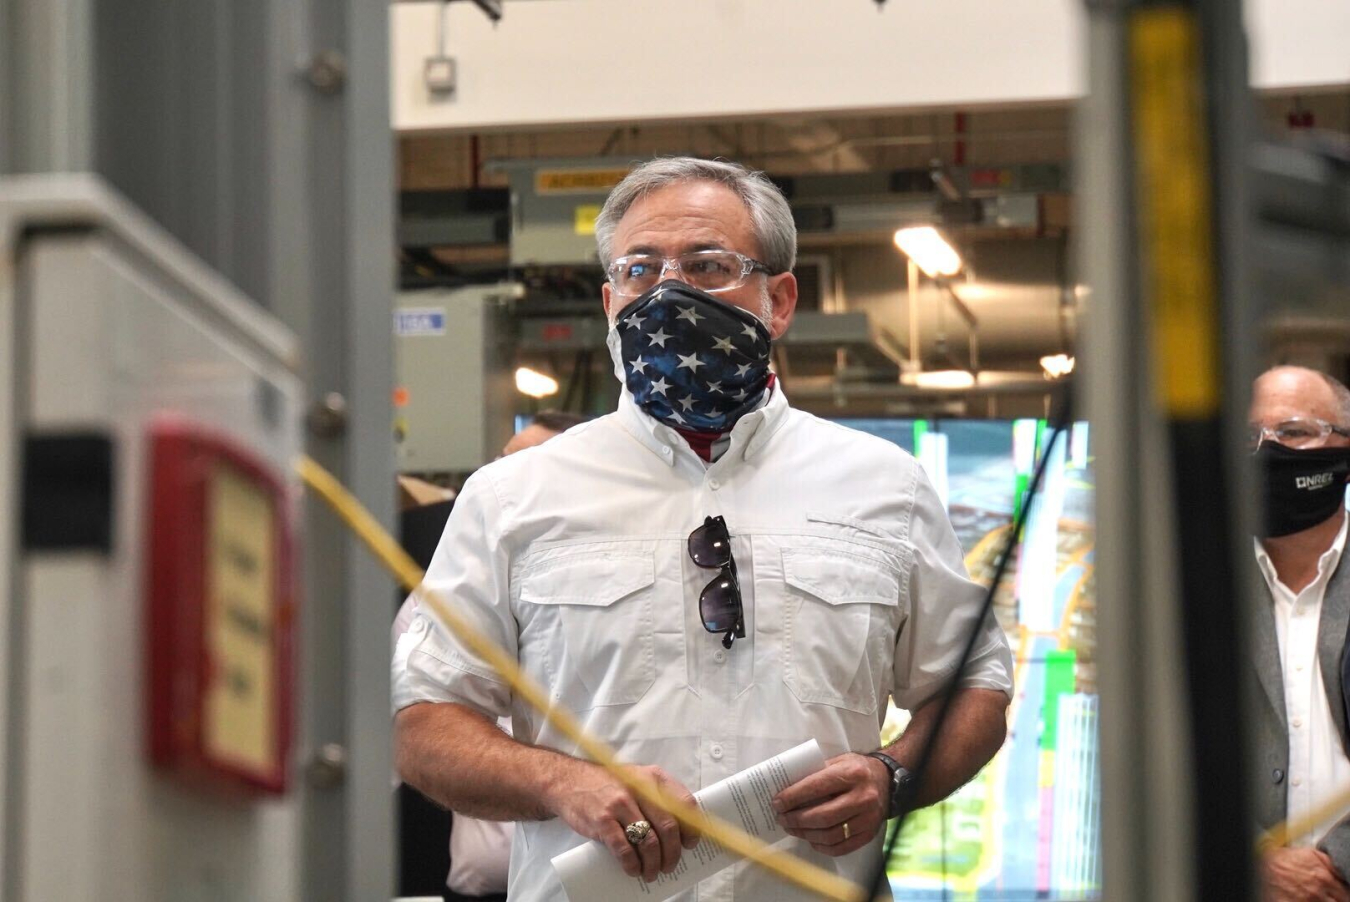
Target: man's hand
column 1302, row 875
column 852, row 789
column 596, row 805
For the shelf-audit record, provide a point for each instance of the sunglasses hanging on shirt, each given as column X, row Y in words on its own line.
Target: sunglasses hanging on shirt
column 719, row 604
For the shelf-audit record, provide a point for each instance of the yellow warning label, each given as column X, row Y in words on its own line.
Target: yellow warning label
column 577, row 181
column 1176, row 210
column 586, row 214
column 240, row 704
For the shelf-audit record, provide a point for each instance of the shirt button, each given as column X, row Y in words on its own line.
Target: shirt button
column 714, row 484
column 716, row 752
column 719, row 656
column 1298, row 721
column 1296, row 781
column 1298, row 667
column 1277, row 776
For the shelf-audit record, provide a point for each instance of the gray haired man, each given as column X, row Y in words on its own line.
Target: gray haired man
column 707, row 576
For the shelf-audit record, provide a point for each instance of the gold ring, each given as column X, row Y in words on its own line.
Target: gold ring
column 637, row 831
column 846, row 831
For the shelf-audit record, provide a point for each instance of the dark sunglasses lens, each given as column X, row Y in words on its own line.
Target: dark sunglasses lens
column 720, row 605
column 710, row 546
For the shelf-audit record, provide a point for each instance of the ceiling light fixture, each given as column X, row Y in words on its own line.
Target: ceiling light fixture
column 1057, row 365
column 929, row 251
column 535, row 384
column 944, row 379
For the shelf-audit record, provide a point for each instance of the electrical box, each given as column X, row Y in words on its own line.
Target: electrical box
column 455, row 399
column 143, row 402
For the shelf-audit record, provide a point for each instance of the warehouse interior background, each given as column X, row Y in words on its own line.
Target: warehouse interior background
column 210, row 215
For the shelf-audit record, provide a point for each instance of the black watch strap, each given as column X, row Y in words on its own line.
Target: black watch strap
column 901, row 784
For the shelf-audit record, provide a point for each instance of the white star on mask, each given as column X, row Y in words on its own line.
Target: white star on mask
column 635, row 321
column 677, row 418
column 742, row 369
column 659, row 337
column 659, row 386
column 691, row 362
column 686, row 403
column 724, row 344
column 641, row 365
column 749, row 331
column 715, row 387
column 739, row 395
column 690, row 314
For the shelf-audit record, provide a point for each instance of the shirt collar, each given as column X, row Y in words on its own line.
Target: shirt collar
column 748, row 437
column 1326, row 564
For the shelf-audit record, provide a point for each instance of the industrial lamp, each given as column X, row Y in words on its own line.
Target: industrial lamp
column 929, row 251
column 535, row 384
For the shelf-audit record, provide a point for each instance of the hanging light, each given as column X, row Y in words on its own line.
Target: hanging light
column 929, row 251
column 535, row 384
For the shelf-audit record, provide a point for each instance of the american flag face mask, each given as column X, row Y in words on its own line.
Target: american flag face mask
column 690, row 360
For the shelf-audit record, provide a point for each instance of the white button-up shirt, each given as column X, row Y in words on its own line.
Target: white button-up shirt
column 573, row 556
column 1318, row 767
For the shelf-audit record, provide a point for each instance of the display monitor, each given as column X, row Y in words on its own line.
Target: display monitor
column 1028, row 825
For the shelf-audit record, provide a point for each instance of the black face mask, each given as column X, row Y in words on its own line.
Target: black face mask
column 1302, row 487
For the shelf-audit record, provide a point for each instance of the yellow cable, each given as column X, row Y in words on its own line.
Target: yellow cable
column 1286, row 832
column 392, row 555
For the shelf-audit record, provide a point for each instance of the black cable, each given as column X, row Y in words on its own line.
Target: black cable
column 1061, row 422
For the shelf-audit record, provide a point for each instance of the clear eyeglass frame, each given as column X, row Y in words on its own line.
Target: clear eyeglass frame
column 698, row 269
column 1296, row 432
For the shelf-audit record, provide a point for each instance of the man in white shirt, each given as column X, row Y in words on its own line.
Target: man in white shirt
column 707, row 577
column 1300, row 432
column 479, row 849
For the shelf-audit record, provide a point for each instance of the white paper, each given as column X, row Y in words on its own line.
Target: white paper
column 745, row 800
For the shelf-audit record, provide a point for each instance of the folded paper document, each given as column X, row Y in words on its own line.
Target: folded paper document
column 745, row 800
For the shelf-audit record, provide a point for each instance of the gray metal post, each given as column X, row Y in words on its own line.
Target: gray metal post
column 1156, row 753
column 331, row 233
column 46, row 86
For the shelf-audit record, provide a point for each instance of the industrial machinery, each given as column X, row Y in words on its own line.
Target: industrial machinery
column 454, row 397
column 149, row 420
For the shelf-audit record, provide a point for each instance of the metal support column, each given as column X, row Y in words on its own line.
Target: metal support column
column 46, row 86
column 1164, row 394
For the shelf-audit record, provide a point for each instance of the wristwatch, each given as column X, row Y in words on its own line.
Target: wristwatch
column 902, row 785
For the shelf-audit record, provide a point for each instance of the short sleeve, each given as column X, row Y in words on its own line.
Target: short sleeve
column 943, row 608
column 469, row 572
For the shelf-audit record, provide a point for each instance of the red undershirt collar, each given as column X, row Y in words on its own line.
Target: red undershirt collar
column 701, row 442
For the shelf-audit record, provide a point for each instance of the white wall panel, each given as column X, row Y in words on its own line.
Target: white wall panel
column 578, row 61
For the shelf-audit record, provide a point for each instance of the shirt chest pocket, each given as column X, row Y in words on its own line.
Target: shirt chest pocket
column 840, row 620
column 594, row 613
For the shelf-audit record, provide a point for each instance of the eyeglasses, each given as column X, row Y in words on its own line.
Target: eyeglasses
column 719, row 604
column 1299, row 432
column 710, row 271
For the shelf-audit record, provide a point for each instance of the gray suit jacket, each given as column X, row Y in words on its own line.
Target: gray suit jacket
column 1270, row 732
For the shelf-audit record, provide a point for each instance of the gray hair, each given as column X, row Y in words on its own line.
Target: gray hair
column 1342, row 396
column 769, row 211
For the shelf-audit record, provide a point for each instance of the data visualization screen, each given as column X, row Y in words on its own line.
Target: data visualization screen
column 1027, row 827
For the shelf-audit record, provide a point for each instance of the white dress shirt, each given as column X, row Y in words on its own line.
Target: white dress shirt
column 573, row 556
column 480, row 851
column 1318, row 767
